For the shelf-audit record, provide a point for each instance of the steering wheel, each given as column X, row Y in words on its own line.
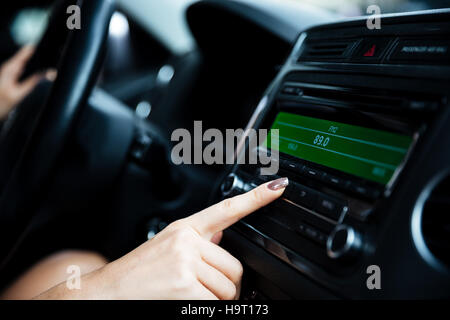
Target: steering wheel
column 24, row 175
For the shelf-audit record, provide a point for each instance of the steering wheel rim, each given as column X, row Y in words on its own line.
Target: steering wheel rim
column 77, row 73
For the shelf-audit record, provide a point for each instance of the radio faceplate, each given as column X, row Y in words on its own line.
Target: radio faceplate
column 343, row 157
column 401, row 97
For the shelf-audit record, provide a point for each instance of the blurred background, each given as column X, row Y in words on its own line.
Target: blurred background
column 359, row 7
column 150, row 39
column 23, row 21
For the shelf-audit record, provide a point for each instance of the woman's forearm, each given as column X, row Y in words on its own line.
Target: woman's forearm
column 183, row 261
column 90, row 289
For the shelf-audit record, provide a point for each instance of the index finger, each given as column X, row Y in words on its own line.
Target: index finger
column 15, row 65
column 226, row 213
column 24, row 54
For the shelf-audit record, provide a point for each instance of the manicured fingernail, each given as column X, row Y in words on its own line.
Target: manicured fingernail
column 278, row 184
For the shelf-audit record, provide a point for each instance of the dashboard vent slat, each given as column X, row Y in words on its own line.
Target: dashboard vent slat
column 334, row 50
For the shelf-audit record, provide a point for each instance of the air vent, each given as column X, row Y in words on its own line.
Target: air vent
column 327, row 50
column 436, row 222
column 345, row 97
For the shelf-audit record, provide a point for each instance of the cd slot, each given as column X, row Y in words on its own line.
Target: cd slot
column 351, row 97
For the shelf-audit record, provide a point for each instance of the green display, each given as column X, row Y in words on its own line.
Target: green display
column 367, row 153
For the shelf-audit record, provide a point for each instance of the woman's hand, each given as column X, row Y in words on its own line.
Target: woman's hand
column 181, row 262
column 12, row 92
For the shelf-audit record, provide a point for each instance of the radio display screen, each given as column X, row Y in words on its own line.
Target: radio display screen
column 371, row 154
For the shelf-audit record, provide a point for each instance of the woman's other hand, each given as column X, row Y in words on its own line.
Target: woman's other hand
column 12, row 91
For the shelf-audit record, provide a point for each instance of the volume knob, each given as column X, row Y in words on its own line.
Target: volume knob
column 234, row 185
column 343, row 242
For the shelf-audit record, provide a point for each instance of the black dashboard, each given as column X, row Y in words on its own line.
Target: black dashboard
column 363, row 121
column 362, row 117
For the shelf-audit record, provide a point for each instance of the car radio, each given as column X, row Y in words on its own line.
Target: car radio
column 343, row 151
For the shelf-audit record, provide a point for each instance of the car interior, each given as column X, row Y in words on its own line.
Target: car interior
column 363, row 116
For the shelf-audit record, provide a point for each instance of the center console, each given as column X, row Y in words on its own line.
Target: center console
column 355, row 110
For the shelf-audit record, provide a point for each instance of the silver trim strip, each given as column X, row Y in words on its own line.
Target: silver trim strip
column 400, row 168
column 318, row 215
column 292, row 258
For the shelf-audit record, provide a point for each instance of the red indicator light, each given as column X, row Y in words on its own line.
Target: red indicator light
column 371, row 51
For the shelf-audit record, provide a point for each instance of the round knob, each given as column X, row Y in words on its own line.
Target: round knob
column 343, row 242
column 232, row 184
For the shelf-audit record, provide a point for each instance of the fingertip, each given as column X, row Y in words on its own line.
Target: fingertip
column 278, row 185
column 266, row 193
column 226, row 213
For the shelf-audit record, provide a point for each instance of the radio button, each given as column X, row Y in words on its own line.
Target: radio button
column 304, row 196
column 313, row 173
column 364, row 190
column 301, row 228
column 330, row 208
column 312, row 233
column 289, row 193
column 291, row 166
column 283, row 162
column 335, row 181
column 374, row 193
column 322, row 238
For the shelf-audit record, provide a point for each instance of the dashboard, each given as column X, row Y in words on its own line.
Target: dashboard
column 361, row 118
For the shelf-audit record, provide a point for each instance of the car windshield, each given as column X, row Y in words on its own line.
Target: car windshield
column 351, row 8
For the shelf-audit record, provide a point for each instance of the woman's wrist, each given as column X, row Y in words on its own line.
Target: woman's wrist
column 91, row 288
